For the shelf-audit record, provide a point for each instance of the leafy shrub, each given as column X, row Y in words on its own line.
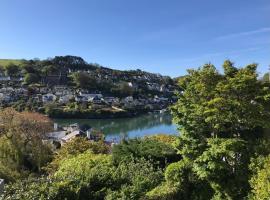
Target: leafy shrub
column 158, row 152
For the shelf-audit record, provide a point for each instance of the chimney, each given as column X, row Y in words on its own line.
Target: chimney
column 88, row 134
column 55, row 126
column 1, row 185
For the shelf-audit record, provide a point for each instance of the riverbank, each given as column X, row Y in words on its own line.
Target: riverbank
column 138, row 126
column 95, row 114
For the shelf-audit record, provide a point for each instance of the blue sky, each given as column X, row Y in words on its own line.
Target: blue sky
column 163, row 36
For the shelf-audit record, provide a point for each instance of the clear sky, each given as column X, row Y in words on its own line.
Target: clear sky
column 163, row 36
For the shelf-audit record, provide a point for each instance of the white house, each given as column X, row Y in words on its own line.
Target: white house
column 62, row 90
column 128, row 99
column 96, row 100
column 4, row 97
column 5, row 78
column 1, row 185
column 65, row 99
column 48, row 98
column 70, row 136
column 111, row 100
column 81, row 99
column 56, row 135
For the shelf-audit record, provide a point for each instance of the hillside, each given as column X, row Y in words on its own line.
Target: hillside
column 5, row 62
column 69, row 87
column 74, row 71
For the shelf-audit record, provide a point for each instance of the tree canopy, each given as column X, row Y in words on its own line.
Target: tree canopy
column 222, row 118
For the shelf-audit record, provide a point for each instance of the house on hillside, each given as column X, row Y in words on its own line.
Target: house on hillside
column 65, row 99
column 4, row 78
column 5, row 98
column 96, row 100
column 91, row 97
column 47, row 98
column 62, row 90
column 81, row 99
column 111, row 100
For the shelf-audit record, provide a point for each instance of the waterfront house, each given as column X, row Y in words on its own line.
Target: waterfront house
column 56, row 135
column 80, row 99
column 110, row 100
column 96, row 100
column 70, row 136
column 65, row 99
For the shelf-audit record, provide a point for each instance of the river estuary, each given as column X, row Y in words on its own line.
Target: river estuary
column 115, row 129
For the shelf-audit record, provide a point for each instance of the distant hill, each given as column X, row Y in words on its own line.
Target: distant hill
column 4, row 62
column 75, row 72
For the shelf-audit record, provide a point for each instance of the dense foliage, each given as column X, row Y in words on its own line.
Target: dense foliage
column 222, row 118
column 90, row 176
column 159, row 153
column 22, row 150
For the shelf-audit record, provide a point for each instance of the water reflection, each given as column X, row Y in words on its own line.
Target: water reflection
column 129, row 127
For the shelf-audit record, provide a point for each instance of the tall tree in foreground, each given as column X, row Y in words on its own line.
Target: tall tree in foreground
column 222, row 118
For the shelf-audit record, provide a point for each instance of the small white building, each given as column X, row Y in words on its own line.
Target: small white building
column 56, row 135
column 48, row 98
column 70, row 136
column 5, row 97
column 65, row 99
column 1, row 185
column 81, row 99
column 129, row 99
column 111, row 100
column 5, row 78
column 95, row 100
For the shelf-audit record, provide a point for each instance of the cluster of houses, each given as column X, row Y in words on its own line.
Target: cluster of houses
column 64, row 95
column 10, row 94
column 55, row 88
column 62, row 135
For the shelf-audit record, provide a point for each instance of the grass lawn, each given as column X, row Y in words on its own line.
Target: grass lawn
column 4, row 62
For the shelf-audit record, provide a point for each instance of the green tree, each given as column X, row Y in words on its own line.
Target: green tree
column 122, row 89
column 75, row 147
column 221, row 118
column 134, row 179
column 49, row 69
column 12, row 70
column 84, row 81
column 224, row 166
column 266, row 77
column 30, row 78
column 158, row 152
column 260, row 182
column 21, row 136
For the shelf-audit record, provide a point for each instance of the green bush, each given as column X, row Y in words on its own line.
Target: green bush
column 158, row 152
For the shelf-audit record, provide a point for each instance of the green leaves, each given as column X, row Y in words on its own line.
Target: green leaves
column 221, row 118
column 215, row 103
column 260, row 182
column 159, row 153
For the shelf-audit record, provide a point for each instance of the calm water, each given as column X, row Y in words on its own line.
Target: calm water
column 129, row 127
